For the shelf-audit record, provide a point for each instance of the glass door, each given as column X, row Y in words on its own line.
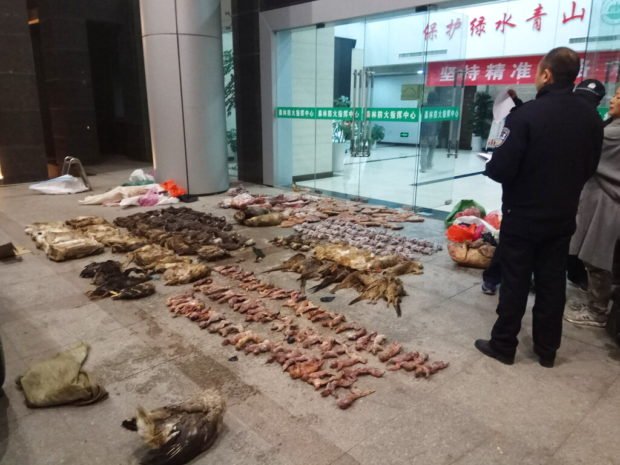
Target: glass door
column 441, row 142
column 363, row 113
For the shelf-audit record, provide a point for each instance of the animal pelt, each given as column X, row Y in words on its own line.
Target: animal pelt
column 212, row 253
column 111, row 280
column 270, row 219
column 135, row 292
column 178, row 433
column 185, row 273
column 351, row 257
column 182, row 229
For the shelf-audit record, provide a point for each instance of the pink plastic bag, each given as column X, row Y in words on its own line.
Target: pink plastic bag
column 150, row 199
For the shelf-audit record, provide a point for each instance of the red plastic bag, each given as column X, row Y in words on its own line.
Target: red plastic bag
column 494, row 219
column 173, row 188
column 461, row 232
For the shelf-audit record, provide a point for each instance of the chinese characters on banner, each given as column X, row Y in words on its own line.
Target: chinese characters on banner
column 478, row 25
column 515, row 70
column 491, row 71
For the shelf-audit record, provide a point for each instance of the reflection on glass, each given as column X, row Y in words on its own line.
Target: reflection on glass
column 229, row 102
column 423, row 121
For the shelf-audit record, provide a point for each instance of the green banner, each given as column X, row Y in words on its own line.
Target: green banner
column 603, row 111
column 316, row 113
column 374, row 114
column 440, row 114
column 406, row 115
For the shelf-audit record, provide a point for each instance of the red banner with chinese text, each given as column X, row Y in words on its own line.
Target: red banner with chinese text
column 603, row 66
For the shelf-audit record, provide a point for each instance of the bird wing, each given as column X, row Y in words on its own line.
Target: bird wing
column 194, row 434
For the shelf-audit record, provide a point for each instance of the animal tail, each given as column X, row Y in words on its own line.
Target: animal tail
column 359, row 298
column 399, row 313
column 277, row 268
column 323, row 284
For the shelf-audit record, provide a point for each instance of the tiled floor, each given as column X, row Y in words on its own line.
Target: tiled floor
column 476, row 412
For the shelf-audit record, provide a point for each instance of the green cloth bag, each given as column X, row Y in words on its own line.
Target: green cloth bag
column 60, row 380
column 463, row 205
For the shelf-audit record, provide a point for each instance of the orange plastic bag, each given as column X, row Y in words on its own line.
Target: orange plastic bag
column 494, row 219
column 461, row 232
column 173, row 188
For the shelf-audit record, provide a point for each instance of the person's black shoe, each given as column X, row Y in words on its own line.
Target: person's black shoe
column 484, row 346
column 546, row 361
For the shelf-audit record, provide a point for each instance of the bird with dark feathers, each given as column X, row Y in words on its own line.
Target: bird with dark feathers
column 178, row 433
column 259, row 254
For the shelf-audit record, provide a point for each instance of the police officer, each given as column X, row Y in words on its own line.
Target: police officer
column 548, row 149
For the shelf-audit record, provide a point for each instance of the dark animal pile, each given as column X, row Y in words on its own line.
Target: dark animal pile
column 112, row 281
column 184, row 231
column 312, row 344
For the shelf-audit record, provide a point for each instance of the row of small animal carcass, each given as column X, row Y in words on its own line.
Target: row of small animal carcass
column 319, row 357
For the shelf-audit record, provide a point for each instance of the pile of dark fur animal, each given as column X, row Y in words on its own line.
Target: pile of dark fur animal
column 185, row 231
column 112, row 281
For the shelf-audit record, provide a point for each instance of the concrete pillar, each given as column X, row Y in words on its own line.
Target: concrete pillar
column 182, row 42
column 22, row 150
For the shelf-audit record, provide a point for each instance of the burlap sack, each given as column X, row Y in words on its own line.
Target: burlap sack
column 476, row 254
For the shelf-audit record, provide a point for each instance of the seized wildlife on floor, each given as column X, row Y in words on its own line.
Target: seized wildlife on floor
column 310, row 343
column 349, row 267
column 295, row 242
column 60, row 241
column 338, row 231
column 184, row 273
column 212, row 253
column 178, row 433
column 182, row 230
column 298, row 208
column 269, row 219
column 112, row 281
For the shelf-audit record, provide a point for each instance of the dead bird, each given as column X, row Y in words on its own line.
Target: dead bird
column 135, row 292
column 178, row 433
column 259, row 254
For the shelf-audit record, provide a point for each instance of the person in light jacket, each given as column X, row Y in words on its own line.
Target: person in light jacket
column 598, row 229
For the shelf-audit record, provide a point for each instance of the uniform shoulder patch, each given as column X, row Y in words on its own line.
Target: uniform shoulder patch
column 502, row 137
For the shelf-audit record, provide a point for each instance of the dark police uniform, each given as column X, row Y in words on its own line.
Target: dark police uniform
column 548, row 150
